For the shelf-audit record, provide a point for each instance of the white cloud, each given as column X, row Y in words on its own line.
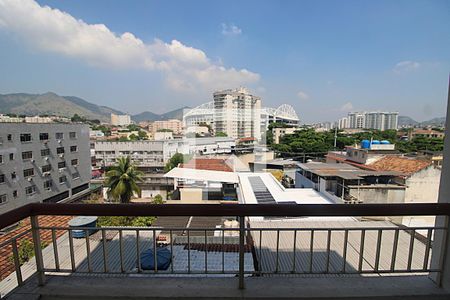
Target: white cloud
column 184, row 67
column 406, row 66
column 302, row 95
column 347, row 107
column 230, row 29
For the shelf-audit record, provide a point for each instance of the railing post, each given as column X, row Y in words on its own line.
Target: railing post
column 37, row 250
column 241, row 251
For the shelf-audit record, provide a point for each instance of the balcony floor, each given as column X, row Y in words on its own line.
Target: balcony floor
column 138, row 287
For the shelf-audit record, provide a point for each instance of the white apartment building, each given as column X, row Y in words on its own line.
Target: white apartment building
column 120, row 120
column 343, row 123
column 237, row 113
column 372, row 120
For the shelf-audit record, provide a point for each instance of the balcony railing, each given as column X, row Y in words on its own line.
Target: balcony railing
column 259, row 246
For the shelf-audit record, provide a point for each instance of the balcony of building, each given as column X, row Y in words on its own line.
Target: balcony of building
column 228, row 251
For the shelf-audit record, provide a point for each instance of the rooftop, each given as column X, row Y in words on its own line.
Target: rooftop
column 344, row 171
column 404, row 165
column 212, row 164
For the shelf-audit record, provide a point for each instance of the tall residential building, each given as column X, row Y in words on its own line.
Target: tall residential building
column 237, row 113
column 176, row 126
column 120, row 120
column 373, row 120
column 343, row 123
column 43, row 163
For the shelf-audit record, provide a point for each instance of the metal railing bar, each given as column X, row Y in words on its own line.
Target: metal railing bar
column 246, row 229
column 189, row 251
column 88, row 251
column 138, row 252
column 277, row 251
column 344, row 252
column 155, row 251
column 427, row 249
column 15, row 252
column 223, row 251
column 311, row 250
column 171, row 250
column 294, row 252
column 105, row 253
column 361, row 250
column 55, row 249
column 411, row 247
column 394, row 249
column 378, row 251
column 260, row 251
column 71, row 251
column 206, row 252
column 122, row 268
column 328, row 251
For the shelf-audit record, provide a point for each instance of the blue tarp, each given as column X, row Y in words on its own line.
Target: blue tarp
column 163, row 257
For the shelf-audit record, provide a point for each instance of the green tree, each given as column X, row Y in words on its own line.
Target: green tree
column 221, row 134
column 133, row 137
column 175, row 160
column 164, row 130
column 158, row 199
column 142, row 135
column 122, row 180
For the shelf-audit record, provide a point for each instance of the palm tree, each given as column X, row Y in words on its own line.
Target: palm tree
column 122, row 180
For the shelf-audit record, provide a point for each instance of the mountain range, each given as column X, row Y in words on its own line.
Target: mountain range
column 53, row 104
column 405, row 121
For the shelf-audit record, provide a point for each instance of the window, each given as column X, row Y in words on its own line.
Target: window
column 2, row 198
column 74, row 162
column 25, row 137
column 75, row 175
column 73, row 148
column 59, row 135
column 30, row 190
column 28, row 172
column 61, row 165
column 1, row 159
column 15, row 194
column 9, row 137
column 2, row 178
column 60, row 150
column 72, row 135
column 45, row 152
column 43, row 136
column 27, row 155
column 48, row 185
column 11, row 156
column 46, row 168
column 62, row 179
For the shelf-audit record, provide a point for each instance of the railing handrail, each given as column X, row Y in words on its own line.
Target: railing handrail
column 242, row 210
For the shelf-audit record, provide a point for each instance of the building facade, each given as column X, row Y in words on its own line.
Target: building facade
column 120, row 120
column 237, row 113
column 372, row 120
column 42, row 163
column 176, row 126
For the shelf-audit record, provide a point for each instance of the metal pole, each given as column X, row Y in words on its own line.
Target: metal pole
column 241, row 251
column 37, row 250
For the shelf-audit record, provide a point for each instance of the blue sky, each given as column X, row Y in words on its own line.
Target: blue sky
column 322, row 57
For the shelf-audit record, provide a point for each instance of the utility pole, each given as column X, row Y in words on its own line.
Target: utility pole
column 335, row 136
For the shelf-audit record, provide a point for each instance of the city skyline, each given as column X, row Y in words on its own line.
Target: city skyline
column 368, row 56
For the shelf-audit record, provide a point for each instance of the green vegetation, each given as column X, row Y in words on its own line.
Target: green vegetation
column 176, row 159
column 122, row 180
column 221, row 134
column 130, row 221
column 309, row 141
column 164, row 130
column 25, row 250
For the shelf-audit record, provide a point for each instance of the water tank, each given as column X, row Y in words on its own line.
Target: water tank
column 385, row 142
column 375, row 142
column 365, row 144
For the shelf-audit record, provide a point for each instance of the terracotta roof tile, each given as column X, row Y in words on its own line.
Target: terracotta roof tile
column 211, row 164
column 405, row 165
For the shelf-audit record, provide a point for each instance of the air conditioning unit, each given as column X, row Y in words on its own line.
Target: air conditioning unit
column 46, row 158
column 46, row 142
column 59, row 141
column 30, row 179
column 46, row 173
column 61, row 155
column 32, row 160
